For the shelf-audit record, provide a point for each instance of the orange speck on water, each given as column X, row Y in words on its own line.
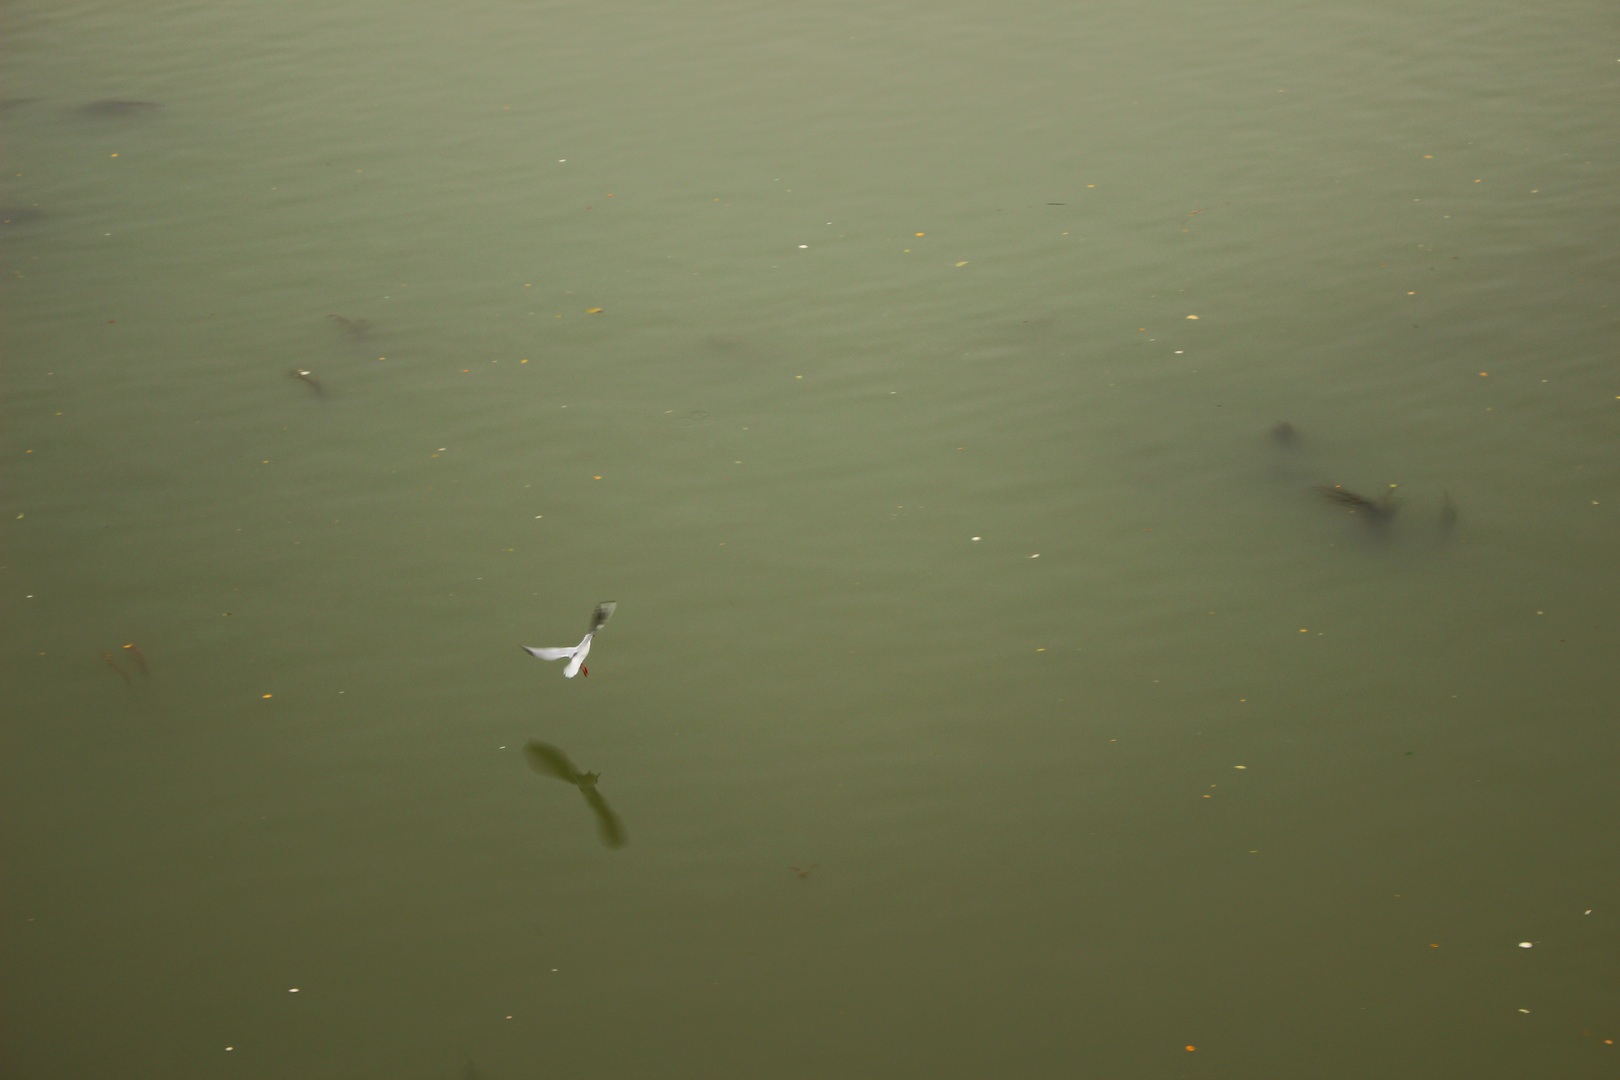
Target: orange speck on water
column 269, row 695
column 1192, row 1048
column 1484, row 374
column 1433, row 945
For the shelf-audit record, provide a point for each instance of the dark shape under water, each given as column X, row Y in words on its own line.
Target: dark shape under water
column 1375, row 512
column 309, row 380
column 355, row 328
column 1285, row 435
column 19, row 215
column 118, row 107
column 548, row 760
column 1448, row 515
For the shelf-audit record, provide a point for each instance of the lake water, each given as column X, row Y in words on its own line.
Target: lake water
column 991, row 691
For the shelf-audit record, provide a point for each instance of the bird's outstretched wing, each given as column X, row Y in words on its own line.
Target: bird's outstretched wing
column 551, row 654
column 604, row 612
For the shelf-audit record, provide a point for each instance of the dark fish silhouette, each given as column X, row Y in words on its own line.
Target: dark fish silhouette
column 1378, row 511
column 19, row 215
column 308, row 379
column 804, row 871
column 1285, row 435
column 118, row 107
column 548, row 760
column 1448, row 515
column 355, row 328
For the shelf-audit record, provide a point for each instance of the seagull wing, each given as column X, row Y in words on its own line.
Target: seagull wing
column 603, row 612
column 579, row 653
column 550, row 654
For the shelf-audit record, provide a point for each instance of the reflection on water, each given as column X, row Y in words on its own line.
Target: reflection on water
column 548, row 760
column 122, row 674
column 976, row 537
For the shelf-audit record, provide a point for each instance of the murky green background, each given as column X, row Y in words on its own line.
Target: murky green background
column 922, row 437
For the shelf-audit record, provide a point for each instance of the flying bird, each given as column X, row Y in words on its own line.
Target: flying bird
column 576, row 655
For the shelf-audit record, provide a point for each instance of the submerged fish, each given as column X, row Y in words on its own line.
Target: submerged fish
column 355, row 328
column 576, row 655
column 1448, row 514
column 1380, row 510
column 1285, row 435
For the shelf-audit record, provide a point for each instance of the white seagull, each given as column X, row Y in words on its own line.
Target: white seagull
column 577, row 654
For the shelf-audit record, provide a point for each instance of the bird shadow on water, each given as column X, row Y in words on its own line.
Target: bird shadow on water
column 548, row 760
